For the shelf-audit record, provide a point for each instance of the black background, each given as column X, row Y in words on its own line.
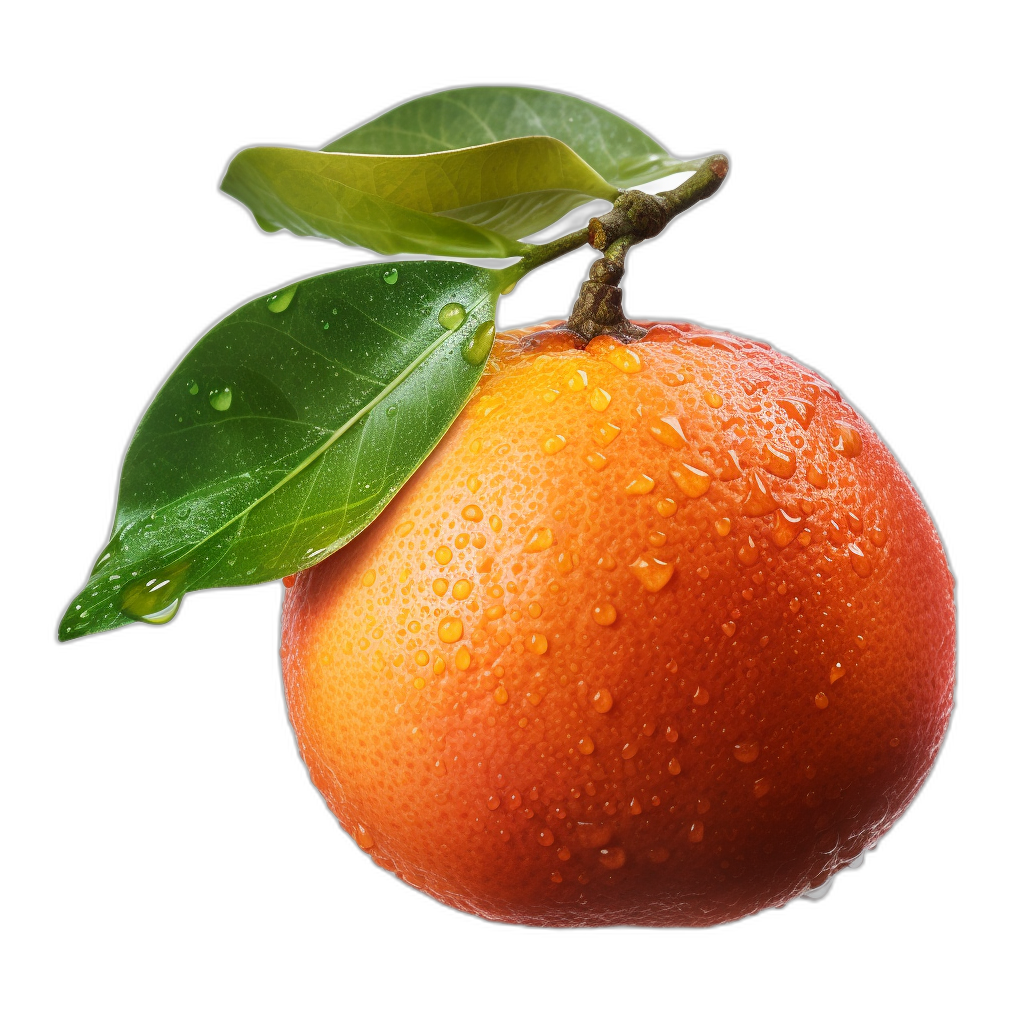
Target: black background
column 172, row 780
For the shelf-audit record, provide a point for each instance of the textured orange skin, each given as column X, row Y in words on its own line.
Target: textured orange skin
column 494, row 808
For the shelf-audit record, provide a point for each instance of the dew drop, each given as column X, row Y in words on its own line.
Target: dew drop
column 597, row 461
column 747, row 752
column 668, row 431
column 605, row 433
column 630, row 749
column 762, row 787
column 220, row 399
column 193, row 387
column 641, row 484
column 846, row 440
column 729, row 628
column 500, row 694
column 280, row 301
column 859, row 560
column 449, row 629
column 462, row 659
column 759, row 500
column 836, row 672
column 693, row 482
column 553, row 444
column 539, row 540
column 613, row 857
column 625, row 359
column 821, row 700
column 602, row 701
column 363, row 838
column 747, row 552
column 478, row 348
column 600, row 400
column 604, row 613
column 586, row 745
column 461, row 590
column 451, row 316
column 545, row 837
column 667, row 507
column 537, row 642
column 390, row 275
column 723, row 526
column 443, row 554
column 578, row 381
column 779, row 461
column 652, row 573
column 674, row 767
column 784, row 528
column 155, row 600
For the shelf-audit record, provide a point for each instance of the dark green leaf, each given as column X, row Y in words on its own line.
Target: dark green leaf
column 286, row 430
column 464, row 202
column 616, row 149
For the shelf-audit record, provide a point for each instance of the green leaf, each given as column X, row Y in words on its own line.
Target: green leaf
column 286, row 430
column 466, row 202
column 619, row 151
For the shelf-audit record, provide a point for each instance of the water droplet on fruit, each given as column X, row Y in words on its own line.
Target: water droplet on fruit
column 220, row 399
column 478, row 348
column 604, row 613
column 545, row 837
column 462, row 659
column 747, row 752
column 674, row 767
column 747, row 552
column 821, row 700
column 537, row 642
column 693, row 482
column 597, row 461
column 641, row 484
column 667, row 507
column 784, row 528
column 759, row 500
column 668, row 431
column 363, row 838
column 443, row 554
column 652, row 573
column 713, row 399
column 280, row 301
column 586, row 745
column 860, row 562
column 836, row 672
column 625, row 359
column 540, row 540
column 500, row 694
column 779, row 461
column 193, row 387
column 553, row 444
column 602, row 701
column 605, row 433
column 797, row 410
column 451, row 316
column 762, row 787
column 600, row 400
column 846, row 440
column 390, row 275
column 449, row 629
column 723, row 526
column 578, row 381
column 729, row 628
column 613, row 857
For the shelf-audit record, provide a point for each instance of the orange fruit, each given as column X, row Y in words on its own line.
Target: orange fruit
column 660, row 633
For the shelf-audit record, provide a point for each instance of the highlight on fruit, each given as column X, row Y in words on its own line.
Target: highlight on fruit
column 601, row 621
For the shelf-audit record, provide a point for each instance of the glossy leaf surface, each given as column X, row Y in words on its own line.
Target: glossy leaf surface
column 467, row 202
column 286, row 430
column 618, row 150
